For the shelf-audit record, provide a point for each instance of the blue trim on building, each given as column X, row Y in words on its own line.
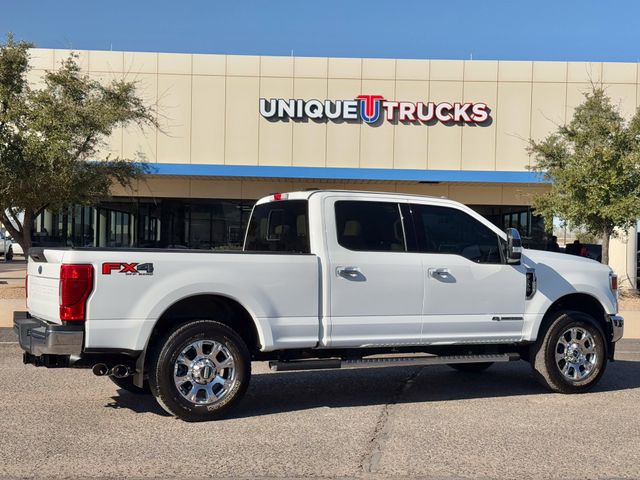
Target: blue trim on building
column 388, row 174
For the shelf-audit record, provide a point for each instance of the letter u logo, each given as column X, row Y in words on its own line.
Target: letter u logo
column 370, row 107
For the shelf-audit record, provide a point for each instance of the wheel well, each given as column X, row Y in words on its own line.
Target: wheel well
column 579, row 302
column 208, row 307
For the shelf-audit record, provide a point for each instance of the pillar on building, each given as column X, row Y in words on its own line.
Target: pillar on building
column 102, row 231
column 623, row 258
column 48, row 222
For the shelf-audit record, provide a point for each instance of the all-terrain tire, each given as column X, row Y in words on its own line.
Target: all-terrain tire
column 576, row 336
column 187, row 372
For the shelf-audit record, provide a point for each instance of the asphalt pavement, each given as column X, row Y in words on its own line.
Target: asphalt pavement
column 431, row 422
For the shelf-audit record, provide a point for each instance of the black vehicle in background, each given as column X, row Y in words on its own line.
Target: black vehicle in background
column 589, row 250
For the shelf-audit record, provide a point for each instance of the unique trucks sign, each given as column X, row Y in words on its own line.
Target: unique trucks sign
column 374, row 109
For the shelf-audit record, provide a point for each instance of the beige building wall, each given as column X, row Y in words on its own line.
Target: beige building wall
column 208, row 107
column 208, row 113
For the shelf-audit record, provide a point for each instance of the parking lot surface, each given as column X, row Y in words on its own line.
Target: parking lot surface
column 428, row 422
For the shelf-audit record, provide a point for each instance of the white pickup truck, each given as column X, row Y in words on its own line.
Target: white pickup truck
column 327, row 279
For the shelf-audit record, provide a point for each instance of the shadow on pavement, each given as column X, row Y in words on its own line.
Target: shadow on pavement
column 298, row 391
column 136, row 403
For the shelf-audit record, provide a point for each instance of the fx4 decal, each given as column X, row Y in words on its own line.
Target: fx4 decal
column 127, row 268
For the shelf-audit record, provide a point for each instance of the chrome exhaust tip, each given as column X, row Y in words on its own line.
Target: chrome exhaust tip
column 100, row 370
column 121, row 371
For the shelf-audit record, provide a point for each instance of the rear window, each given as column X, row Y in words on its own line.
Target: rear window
column 279, row 227
column 369, row 226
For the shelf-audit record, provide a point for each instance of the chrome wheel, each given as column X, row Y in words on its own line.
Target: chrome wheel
column 204, row 372
column 576, row 354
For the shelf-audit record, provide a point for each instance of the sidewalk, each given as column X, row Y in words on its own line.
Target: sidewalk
column 12, row 296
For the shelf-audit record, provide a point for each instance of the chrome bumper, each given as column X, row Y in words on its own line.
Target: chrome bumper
column 38, row 337
column 617, row 327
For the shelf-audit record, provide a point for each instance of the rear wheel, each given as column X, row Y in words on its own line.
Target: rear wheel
column 571, row 355
column 128, row 385
column 200, row 371
column 470, row 367
column 9, row 255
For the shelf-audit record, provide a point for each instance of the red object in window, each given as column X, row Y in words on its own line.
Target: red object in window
column 76, row 284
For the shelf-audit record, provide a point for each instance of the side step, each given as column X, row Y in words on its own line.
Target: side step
column 331, row 363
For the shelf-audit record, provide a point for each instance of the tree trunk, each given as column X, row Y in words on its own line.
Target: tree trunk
column 22, row 234
column 27, row 226
column 606, row 235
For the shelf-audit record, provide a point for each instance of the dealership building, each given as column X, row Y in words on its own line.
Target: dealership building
column 235, row 128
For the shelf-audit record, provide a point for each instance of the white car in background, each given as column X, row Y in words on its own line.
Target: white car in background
column 6, row 247
column 15, row 246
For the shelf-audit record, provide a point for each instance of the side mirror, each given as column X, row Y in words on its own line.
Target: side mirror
column 514, row 246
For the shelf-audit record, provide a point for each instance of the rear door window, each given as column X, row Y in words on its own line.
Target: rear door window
column 279, row 227
column 370, row 226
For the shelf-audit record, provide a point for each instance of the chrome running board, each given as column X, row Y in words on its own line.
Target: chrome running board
column 332, row 363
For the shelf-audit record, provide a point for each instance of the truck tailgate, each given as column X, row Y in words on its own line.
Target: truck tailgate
column 43, row 285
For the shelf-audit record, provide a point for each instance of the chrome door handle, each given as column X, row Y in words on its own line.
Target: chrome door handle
column 439, row 272
column 348, row 272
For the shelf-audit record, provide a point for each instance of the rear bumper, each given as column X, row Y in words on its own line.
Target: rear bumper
column 38, row 337
column 617, row 327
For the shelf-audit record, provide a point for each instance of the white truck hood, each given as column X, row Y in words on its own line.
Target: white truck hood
column 560, row 274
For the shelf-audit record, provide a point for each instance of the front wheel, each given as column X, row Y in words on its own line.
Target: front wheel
column 571, row 355
column 200, row 371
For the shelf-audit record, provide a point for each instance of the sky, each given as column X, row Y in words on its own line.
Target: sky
column 585, row 30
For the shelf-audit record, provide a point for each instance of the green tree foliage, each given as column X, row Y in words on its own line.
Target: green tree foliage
column 49, row 138
column 594, row 166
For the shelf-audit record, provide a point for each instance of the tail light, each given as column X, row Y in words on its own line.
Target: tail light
column 76, row 284
column 613, row 282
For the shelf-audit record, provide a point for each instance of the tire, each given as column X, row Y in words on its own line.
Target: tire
column 9, row 255
column 128, row 385
column 470, row 367
column 577, row 337
column 212, row 369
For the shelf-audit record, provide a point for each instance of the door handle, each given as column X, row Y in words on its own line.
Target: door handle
column 348, row 272
column 439, row 272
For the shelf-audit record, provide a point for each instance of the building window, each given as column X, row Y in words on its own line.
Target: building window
column 148, row 223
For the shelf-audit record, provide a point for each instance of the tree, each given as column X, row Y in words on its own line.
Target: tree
column 594, row 166
column 50, row 137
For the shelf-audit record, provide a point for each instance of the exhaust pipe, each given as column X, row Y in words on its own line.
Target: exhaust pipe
column 100, row 370
column 121, row 371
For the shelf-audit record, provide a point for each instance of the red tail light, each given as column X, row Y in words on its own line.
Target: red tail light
column 76, row 284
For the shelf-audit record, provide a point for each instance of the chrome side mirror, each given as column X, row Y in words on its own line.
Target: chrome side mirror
column 514, row 246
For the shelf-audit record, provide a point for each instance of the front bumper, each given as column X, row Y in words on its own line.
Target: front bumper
column 38, row 337
column 617, row 327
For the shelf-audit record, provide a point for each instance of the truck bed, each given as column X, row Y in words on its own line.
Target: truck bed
column 280, row 291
